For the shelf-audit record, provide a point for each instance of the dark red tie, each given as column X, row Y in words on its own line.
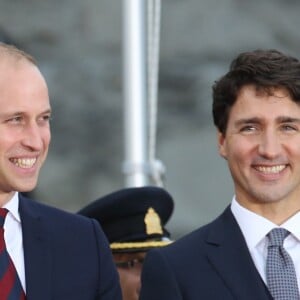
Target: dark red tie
column 10, row 285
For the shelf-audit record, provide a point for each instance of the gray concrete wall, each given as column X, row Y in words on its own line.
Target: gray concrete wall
column 78, row 46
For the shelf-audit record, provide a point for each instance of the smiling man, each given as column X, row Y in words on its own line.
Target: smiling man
column 252, row 250
column 45, row 253
column 24, row 127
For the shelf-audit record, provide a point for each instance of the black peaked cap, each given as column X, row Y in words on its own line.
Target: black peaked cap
column 133, row 219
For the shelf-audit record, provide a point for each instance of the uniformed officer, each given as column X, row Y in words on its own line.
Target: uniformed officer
column 133, row 220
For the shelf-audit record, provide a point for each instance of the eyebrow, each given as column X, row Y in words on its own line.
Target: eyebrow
column 284, row 119
column 18, row 113
column 244, row 121
column 47, row 111
column 256, row 120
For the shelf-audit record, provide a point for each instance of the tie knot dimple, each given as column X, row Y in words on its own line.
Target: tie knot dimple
column 276, row 236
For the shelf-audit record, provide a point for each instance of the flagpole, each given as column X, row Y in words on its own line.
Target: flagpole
column 135, row 166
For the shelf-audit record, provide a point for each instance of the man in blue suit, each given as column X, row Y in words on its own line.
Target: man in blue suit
column 256, row 109
column 56, row 255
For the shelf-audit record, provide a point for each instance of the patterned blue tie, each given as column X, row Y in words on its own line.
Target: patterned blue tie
column 10, row 285
column 281, row 275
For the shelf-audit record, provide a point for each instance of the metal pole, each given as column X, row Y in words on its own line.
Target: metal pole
column 135, row 99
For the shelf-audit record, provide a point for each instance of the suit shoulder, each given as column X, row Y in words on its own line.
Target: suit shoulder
column 195, row 241
column 51, row 215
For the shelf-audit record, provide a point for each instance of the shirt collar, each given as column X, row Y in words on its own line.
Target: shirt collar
column 13, row 206
column 255, row 227
column 293, row 225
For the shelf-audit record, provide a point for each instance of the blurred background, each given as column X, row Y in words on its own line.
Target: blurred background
column 78, row 45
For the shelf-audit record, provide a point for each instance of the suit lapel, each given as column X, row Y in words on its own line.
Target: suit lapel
column 228, row 253
column 37, row 257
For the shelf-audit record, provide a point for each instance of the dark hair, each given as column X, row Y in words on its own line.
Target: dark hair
column 265, row 69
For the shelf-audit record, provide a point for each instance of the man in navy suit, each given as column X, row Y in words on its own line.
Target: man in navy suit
column 57, row 255
column 256, row 109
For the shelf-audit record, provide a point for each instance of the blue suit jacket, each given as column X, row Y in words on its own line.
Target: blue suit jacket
column 66, row 256
column 211, row 263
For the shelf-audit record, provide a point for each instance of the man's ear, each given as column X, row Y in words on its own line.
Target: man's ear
column 222, row 144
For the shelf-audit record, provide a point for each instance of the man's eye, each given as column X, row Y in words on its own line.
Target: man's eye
column 16, row 119
column 248, row 128
column 45, row 119
column 289, row 128
column 130, row 264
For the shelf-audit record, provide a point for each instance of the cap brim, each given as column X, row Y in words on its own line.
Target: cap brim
column 138, row 246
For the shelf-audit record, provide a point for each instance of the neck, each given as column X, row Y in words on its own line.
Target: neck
column 6, row 197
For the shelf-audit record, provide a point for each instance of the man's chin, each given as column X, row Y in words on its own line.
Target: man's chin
column 26, row 187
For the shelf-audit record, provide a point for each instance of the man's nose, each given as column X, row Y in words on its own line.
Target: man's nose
column 269, row 145
column 32, row 136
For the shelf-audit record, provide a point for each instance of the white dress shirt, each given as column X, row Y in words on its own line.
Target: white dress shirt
column 13, row 237
column 255, row 228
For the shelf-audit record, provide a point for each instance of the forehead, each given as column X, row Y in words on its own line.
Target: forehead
column 253, row 102
column 19, row 73
column 21, row 86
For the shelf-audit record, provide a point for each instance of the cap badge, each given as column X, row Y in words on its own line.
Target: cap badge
column 152, row 221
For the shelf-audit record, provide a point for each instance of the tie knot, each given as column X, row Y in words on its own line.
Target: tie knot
column 3, row 213
column 276, row 236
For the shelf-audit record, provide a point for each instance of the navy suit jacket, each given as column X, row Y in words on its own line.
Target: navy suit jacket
column 67, row 256
column 210, row 263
